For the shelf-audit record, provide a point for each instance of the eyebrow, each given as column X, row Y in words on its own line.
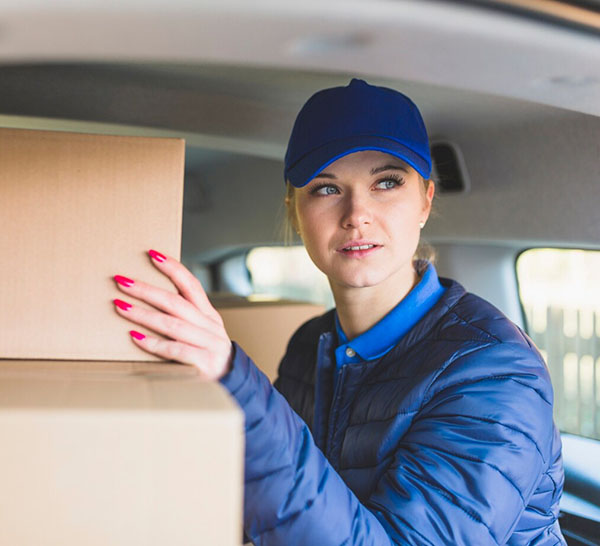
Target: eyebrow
column 375, row 170
column 389, row 168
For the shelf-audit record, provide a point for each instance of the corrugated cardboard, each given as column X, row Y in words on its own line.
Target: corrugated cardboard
column 117, row 454
column 263, row 328
column 95, row 452
column 76, row 210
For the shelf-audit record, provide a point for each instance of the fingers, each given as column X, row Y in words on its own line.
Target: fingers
column 167, row 325
column 209, row 368
column 194, row 328
column 166, row 301
column 187, row 285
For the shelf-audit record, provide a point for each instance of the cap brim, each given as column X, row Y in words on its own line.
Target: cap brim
column 304, row 170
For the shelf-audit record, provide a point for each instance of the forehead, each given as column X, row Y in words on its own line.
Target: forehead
column 365, row 161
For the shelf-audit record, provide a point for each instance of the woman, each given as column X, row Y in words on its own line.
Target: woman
column 413, row 412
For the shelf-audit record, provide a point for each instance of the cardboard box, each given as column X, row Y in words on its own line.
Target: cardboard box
column 263, row 327
column 98, row 449
column 76, row 210
column 117, row 453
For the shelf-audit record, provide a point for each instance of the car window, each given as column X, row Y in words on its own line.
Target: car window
column 287, row 272
column 561, row 300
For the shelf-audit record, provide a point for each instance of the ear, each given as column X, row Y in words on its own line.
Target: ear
column 428, row 199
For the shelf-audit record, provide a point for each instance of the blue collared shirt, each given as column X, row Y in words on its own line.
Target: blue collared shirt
column 386, row 333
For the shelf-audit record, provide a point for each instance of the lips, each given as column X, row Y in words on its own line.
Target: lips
column 359, row 249
column 357, row 246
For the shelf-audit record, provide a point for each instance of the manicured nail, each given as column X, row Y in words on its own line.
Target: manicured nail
column 157, row 256
column 123, row 281
column 136, row 335
column 122, row 305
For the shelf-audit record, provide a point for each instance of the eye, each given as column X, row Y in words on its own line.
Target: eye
column 324, row 189
column 389, row 183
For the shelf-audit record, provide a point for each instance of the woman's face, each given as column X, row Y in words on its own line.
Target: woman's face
column 365, row 199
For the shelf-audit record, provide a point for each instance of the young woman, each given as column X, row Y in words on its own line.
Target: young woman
column 413, row 412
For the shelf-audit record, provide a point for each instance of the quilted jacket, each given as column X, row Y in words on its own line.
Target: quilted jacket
column 446, row 439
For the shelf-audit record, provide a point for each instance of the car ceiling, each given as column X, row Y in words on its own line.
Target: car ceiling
column 519, row 97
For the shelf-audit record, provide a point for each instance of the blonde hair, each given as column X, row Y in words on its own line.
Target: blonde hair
column 288, row 227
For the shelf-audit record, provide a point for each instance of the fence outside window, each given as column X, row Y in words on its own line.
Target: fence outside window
column 562, row 308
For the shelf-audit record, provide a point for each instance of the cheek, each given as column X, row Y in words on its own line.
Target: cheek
column 311, row 235
column 315, row 245
column 403, row 218
column 310, row 220
column 314, row 232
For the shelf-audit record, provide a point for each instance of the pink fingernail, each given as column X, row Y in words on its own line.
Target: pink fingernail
column 123, row 281
column 157, row 256
column 136, row 335
column 122, row 305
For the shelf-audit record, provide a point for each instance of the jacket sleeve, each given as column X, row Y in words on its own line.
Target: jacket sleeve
column 461, row 475
column 292, row 495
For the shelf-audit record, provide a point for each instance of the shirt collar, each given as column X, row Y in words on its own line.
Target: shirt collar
column 386, row 333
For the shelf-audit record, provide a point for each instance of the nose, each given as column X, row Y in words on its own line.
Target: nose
column 356, row 211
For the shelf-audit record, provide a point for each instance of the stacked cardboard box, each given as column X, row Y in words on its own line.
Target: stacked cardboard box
column 101, row 443
column 263, row 326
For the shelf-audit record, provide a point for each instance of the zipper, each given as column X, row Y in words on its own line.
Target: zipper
column 323, row 368
column 339, row 380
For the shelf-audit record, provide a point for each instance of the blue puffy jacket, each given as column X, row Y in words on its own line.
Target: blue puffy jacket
column 446, row 439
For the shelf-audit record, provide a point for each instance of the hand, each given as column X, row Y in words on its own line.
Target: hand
column 194, row 328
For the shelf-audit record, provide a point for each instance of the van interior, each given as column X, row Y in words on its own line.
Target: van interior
column 510, row 93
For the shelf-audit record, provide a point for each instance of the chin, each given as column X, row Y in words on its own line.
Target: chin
column 359, row 281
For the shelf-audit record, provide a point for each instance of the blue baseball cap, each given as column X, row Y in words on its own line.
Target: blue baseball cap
column 339, row 121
